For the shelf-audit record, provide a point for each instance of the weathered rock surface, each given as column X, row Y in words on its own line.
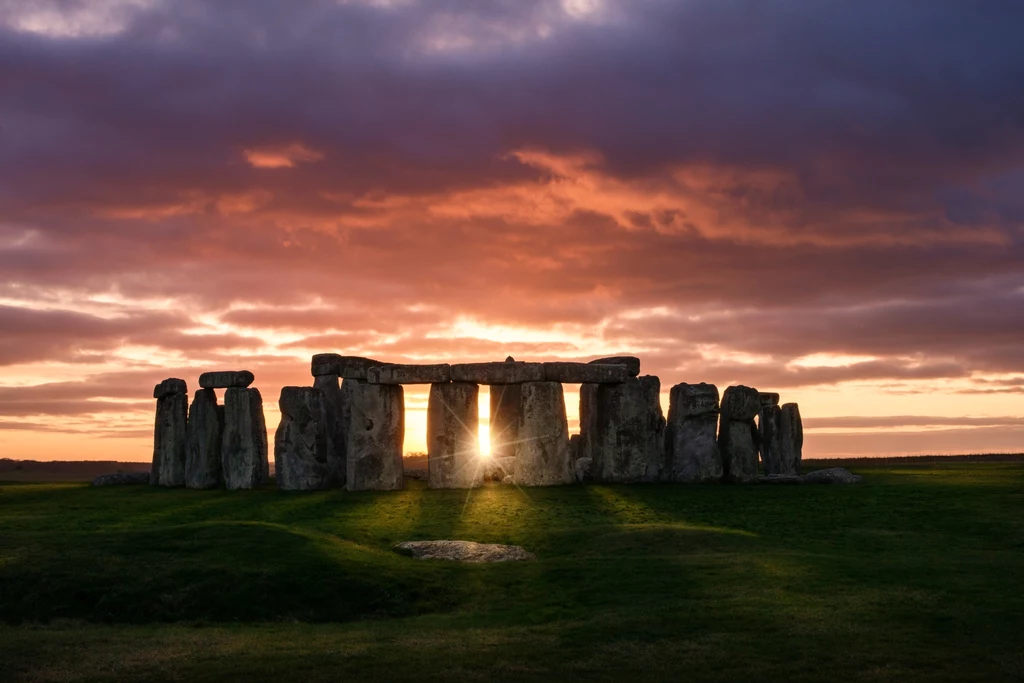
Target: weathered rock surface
column 345, row 367
column 768, row 427
column 169, row 386
column 629, row 442
column 300, row 445
column 496, row 469
column 574, row 447
column 243, row 450
column 508, row 372
column 453, row 439
column 632, row 363
column 464, row 551
column 542, row 448
column 226, row 379
column 791, row 439
column 584, row 469
column 336, row 445
column 121, row 478
column 417, row 473
column 505, row 414
column 168, row 467
column 375, row 430
column 768, row 398
column 832, row 475
column 691, row 434
column 737, row 434
column 579, row 373
column 204, row 435
column 588, row 420
column 509, row 479
column 409, row 374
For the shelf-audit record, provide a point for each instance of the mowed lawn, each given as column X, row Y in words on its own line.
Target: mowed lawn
column 916, row 574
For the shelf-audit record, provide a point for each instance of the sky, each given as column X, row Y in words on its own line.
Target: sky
column 819, row 198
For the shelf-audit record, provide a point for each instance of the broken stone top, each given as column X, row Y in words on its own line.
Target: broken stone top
column 768, row 398
column 226, row 379
column 740, row 403
column 694, row 399
column 585, row 373
column 632, row 363
column 346, row 367
column 506, row 372
column 409, row 374
column 170, row 386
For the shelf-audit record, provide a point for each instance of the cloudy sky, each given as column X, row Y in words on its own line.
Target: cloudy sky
column 816, row 197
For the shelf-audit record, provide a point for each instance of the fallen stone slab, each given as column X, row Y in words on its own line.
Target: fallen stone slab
column 300, row 445
column 585, row 373
column 345, row 367
column 453, row 439
column 169, row 386
column 691, row 435
column 121, row 478
column 169, row 435
column 632, row 363
column 508, row 372
column 832, row 475
column 542, row 448
column 464, row 551
column 409, row 374
column 226, row 379
column 203, row 439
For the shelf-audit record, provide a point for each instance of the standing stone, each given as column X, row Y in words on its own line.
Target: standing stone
column 453, row 440
column 791, row 439
column 244, row 446
column 588, row 419
column 168, row 467
column 374, row 417
column 300, row 445
column 691, row 436
column 768, row 427
column 335, row 428
column 203, row 468
column 505, row 415
column 629, row 442
column 542, row 446
column 737, row 434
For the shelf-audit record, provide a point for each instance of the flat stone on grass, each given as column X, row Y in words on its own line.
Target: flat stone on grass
column 464, row 551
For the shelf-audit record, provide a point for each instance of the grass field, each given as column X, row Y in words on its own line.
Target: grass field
column 917, row 574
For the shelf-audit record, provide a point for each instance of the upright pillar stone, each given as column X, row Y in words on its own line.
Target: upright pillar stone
column 768, row 427
column 300, row 445
column 791, row 439
column 203, row 467
column 588, row 419
column 691, row 436
column 737, row 434
column 628, row 445
column 505, row 410
column 374, row 417
column 168, row 468
column 542, row 446
column 244, row 446
column 336, row 444
column 453, row 440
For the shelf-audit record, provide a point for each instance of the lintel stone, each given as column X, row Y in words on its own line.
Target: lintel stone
column 171, row 385
column 585, row 373
column 409, row 374
column 226, row 379
column 508, row 372
column 632, row 363
column 345, row 367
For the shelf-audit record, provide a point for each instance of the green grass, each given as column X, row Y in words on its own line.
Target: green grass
column 916, row 574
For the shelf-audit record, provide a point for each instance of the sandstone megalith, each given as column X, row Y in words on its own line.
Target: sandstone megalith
column 226, row 379
column 453, row 440
column 791, row 439
column 243, row 452
column 409, row 374
column 632, row 363
column 507, row 372
column 628, row 443
column 769, row 431
column 168, row 468
column 505, row 415
column 203, row 467
column 580, row 373
column 374, row 416
column 691, row 435
column 542, row 446
column 336, row 445
column 345, row 367
column 300, row 445
column 737, row 434
column 588, row 420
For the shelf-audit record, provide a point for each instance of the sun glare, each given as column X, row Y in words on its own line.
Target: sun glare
column 484, row 428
